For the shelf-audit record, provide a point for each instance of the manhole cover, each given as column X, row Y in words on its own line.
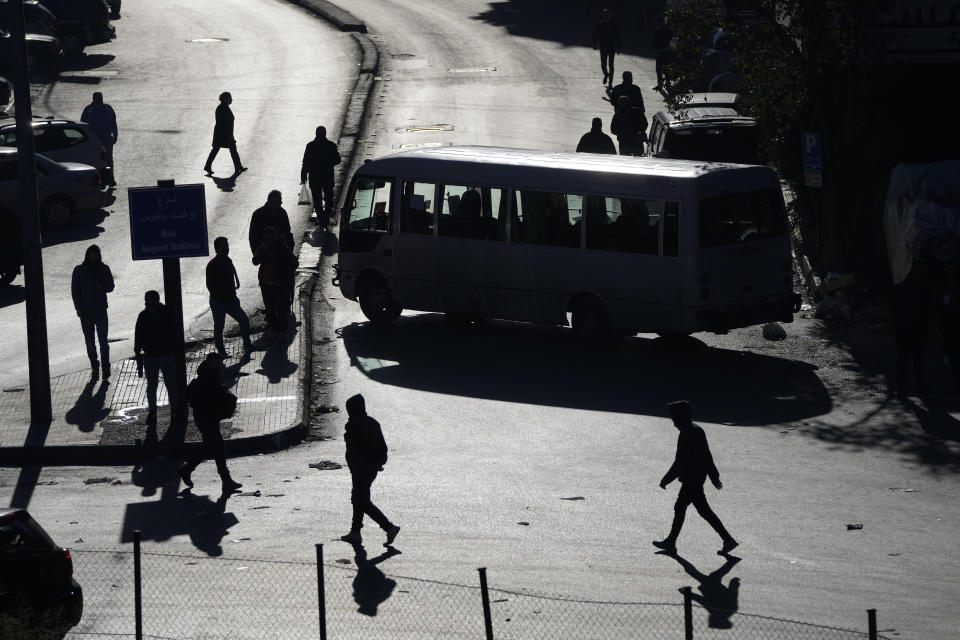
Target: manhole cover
column 208, row 40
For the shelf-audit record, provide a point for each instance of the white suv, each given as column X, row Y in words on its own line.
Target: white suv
column 63, row 141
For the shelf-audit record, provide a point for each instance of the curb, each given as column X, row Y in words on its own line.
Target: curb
column 340, row 18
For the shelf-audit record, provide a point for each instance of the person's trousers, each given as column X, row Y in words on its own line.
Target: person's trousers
column 606, row 63
column 91, row 322
column 276, row 305
column 323, row 206
column 111, row 176
column 152, row 366
column 233, row 156
column 911, row 345
column 693, row 494
column 362, row 505
column 220, row 310
column 212, row 447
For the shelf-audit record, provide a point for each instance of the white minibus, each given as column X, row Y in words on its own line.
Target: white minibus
column 613, row 245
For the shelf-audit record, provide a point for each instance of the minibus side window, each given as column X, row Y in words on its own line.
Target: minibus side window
column 470, row 212
column 547, row 219
column 416, row 203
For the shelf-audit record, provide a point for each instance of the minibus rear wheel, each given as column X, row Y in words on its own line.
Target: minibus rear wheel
column 376, row 301
column 591, row 324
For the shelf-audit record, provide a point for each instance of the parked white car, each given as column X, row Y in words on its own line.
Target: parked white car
column 62, row 187
column 63, row 141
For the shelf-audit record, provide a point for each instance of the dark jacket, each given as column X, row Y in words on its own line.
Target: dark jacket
column 223, row 129
column 596, row 142
column 89, row 290
column 208, row 397
column 693, row 462
column 366, row 448
column 606, row 36
column 222, row 280
column 155, row 336
column 263, row 218
column 277, row 259
column 632, row 91
column 319, row 159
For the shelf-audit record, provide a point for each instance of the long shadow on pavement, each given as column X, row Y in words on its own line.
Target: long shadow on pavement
column 721, row 601
column 516, row 362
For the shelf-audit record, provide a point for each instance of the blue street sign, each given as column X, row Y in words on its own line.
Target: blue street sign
column 168, row 222
column 812, row 160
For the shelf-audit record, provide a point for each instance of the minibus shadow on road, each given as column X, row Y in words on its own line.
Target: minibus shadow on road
column 529, row 364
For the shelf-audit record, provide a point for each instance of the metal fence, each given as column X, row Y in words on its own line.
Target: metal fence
column 188, row 597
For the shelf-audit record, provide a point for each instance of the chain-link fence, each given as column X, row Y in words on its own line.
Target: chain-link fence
column 190, row 597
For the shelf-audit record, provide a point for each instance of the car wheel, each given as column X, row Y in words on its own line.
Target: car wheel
column 376, row 301
column 591, row 324
column 72, row 44
column 55, row 211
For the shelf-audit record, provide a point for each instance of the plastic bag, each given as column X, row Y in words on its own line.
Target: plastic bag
column 305, row 197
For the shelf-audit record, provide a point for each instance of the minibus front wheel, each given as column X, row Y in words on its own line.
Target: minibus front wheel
column 591, row 324
column 376, row 300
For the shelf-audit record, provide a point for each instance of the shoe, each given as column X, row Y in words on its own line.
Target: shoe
column 106, row 371
column 229, row 486
column 728, row 546
column 353, row 537
column 667, row 545
column 656, row 88
column 239, row 169
column 391, row 535
column 185, row 477
column 208, row 170
column 112, row 183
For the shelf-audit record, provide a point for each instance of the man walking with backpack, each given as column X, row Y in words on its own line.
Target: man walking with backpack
column 211, row 403
column 692, row 465
column 366, row 455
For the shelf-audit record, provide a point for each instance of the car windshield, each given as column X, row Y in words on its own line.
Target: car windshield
column 740, row 217
column 22, row 532
column 715, row 144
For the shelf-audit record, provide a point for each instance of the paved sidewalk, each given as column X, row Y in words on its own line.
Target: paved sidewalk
column 97, row 420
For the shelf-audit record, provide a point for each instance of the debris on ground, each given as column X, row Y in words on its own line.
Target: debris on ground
column 103, row 480
column 854, row 527
column 574, row 498
column 325, row 465
column 773, row 331
column 524, row 524
column 326, row 408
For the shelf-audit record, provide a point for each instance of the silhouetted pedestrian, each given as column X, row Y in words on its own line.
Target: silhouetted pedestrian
column 692, row 465
column 662, row 35
column 910, row 307
column 606, row 37
column 211, row 403
column 222, row 283
column 595, row 140
column 630, row 127
column 277, row 269
column 103, row 122
column 223, row 135
column 91, row 282
column 366, row 455
column 154, row 344
column 627, row 88
column 319, row 158
column 271, row 214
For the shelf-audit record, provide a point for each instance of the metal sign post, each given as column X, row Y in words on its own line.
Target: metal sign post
column 37, row 349
column 169, row 222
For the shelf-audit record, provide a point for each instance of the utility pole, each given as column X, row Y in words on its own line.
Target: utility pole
column 37, row 354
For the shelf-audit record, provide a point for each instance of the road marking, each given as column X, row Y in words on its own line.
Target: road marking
column 426, row 127
column 203, row 40
column 472, row 70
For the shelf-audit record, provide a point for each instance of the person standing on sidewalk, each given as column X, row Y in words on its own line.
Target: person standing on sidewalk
column 271, row 214
column 222, row 283
column 319, row 158
column 91, row 282
column 103, row 122
column 223, row 135
column 278, row 267
column 154, row 343
column 366, row 455
column 692, row 465
column 211, row 403
column 606, row 37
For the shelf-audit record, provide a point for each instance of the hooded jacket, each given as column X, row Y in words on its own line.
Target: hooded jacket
column 366, row 448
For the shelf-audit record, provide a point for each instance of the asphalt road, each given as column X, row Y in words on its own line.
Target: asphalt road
column 288, row 73
column 496, row 431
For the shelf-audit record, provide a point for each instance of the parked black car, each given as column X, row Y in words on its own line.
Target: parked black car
column 43, row 52
column 81, row 23
column 37, row 18
column 38, row 595
column 6, row 95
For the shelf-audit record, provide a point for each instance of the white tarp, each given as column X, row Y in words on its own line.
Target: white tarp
column 922, row 214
